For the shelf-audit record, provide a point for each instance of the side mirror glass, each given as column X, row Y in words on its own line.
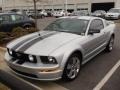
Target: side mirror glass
column 92, row 31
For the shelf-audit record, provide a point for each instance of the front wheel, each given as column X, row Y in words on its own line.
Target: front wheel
column 109, row 47
column 72, row 68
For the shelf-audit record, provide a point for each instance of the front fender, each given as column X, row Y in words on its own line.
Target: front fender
column 68, row 53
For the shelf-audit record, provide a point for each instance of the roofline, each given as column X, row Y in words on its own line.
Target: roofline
column 80, row 17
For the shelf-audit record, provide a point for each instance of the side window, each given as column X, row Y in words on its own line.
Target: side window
column 97, row 24
column 4, row 18
column 13, row 18
column 17, row 17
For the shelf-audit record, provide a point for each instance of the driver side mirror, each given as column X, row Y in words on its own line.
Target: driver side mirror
column 92, row 31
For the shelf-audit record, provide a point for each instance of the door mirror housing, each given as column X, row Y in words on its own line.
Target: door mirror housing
column 92, row 31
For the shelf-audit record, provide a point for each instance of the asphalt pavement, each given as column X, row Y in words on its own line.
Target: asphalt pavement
column 91, row 73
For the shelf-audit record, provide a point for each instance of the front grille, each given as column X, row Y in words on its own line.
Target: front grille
column 18, row 55
column 21, row 57
column 23, row 73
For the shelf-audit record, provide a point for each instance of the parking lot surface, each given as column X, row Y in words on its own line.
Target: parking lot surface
column 91, row 73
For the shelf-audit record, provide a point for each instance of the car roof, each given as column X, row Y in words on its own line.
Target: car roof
column 9, row 13
column 80, row 17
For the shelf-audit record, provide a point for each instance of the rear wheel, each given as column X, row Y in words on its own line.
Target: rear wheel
column 72, row 68
column 27, row 27
column 109, row 47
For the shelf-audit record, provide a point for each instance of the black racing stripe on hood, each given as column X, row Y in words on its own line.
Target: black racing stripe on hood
column 22, row 42
column 29, row 44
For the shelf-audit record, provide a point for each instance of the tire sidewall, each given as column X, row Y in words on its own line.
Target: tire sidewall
column 108, row 45
column 64, row 76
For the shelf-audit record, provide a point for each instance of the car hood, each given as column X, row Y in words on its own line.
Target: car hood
column 46, row 43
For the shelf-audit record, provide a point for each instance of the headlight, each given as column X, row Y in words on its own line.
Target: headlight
column 48, row 60
column 52, row 59
column 10, row 52
column 32, row 58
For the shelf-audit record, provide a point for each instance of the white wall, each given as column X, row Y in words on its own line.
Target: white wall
column 82, row 3
column 99, row 1
column 117, row 4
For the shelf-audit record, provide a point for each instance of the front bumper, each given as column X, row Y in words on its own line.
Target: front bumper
column 112, row 17
column 58, row 15
column 35, row 71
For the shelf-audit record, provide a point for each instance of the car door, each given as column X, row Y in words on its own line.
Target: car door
column 95, row 42
column 17, row 20
column 5, row 23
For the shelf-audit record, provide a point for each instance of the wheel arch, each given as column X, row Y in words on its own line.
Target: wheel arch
column 67, row 56
column 27, row 24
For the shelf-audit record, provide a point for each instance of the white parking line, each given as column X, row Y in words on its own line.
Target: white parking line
column 107, row 76
column 29, row 83
column 40, row 85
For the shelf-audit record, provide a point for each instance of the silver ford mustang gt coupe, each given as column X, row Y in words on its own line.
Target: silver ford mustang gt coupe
column 61, row 48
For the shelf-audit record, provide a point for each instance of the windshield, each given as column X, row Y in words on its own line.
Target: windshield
column 114, row 10
column 77, row 26
column 97, row 12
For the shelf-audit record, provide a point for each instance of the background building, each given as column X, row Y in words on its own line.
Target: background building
column 90, row 5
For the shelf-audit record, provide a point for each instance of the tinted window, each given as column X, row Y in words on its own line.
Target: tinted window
column 4, row 18
column 97, row 24
column 69, row 25
column 17, row 17
column 114, row 10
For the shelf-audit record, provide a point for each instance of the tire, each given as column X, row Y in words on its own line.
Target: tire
column 109, row 46
column 72, row 68
column 42, row 16
column 27, row 27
